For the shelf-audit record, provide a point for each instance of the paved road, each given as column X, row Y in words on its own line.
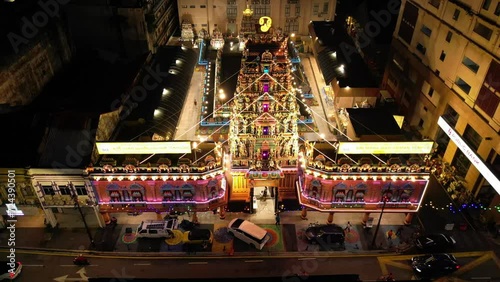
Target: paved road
column 58, row 267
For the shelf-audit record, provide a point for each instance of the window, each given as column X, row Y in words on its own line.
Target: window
column 192, row 6
column 487, row 101
column 461, row 163
column 425, row 109
column 315, row 9
column 497, row 10
column 483, row 30
column 214, row 6
column 287, row 10
column 425, row 30
column 472, row 138
column 448, row 36
column 65, row 190
column 48, row 189
column 184, row 6
column 470, row 64
column 435, row 3
column 325, row 7
column 437, row 72
column 431, row 91
column 462, row 85
column 486, row 4
column 451, row 116
column 203, row 6
column 231, row 2
column 80, row 190
column 442, row 56
column 297, row 10
column 203, row 25
column 421, row 123
column 421, row 48
column 456, row 14
column 231, row 11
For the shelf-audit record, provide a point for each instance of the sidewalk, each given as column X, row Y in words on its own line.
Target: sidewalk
column 288, row 238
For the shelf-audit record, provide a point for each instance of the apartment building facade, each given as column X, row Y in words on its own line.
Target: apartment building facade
column 128, row 28
column 444, row 72
column 292, row 16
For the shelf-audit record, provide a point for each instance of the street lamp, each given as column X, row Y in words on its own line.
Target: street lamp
column 384, row 200
column 74, row 197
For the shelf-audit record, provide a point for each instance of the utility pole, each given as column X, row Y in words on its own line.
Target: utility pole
column 384, row 200
column 74, row 196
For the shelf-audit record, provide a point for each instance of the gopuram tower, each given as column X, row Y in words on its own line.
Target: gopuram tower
column 263, row 136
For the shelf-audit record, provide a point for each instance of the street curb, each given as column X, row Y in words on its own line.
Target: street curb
column 208, row 254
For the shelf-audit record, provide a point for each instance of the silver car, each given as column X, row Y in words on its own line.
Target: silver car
column 249, row 233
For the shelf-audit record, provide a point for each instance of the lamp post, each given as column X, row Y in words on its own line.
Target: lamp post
column 384, row 201
column 74, row 197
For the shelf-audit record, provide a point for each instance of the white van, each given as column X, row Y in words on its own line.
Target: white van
column 249, row 233
column 157, row 228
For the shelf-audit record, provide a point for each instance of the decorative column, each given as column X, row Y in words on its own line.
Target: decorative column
column 106, row 217
column 222, row 212
column 195, row 218
column 408, row 218
column 330, row 218
column 303, row 215
column 158, row 216
column 365, row 218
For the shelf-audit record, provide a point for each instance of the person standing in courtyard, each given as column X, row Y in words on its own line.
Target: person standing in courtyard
column 390, row 233
column 348, row 227
column 278, row 219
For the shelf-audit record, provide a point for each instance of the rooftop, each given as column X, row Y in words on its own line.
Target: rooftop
column 332, row 38
column 160, row 110
column 374, row 121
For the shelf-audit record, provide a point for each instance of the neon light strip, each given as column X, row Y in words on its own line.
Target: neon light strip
column 471, row 155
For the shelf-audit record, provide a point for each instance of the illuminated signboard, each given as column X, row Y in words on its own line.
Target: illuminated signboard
column 471, row 154
column 123, row 148
column 265, row 23
column 424, row 147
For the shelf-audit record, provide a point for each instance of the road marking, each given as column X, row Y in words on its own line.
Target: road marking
column 142, row 264
column 198, row 262
column 67, row 265
column 39, row 265
column 480, row 278
column 257, row 260
column 307, row 258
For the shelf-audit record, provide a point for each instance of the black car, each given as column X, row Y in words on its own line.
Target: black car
column 325, row 234
column 434, row 265
column 434, row 242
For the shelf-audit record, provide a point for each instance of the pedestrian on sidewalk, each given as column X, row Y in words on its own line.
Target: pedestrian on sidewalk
column 278, row 219
column 348, row 227
column 399, row 231
column 390, row 233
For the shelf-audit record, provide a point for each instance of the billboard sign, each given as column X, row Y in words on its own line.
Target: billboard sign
column 158, row 147
column 423, row 147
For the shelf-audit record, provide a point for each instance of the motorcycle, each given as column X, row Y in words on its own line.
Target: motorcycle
column 81, row 260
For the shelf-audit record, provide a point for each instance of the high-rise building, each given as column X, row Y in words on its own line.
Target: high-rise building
column 444, row 74
column 292, row 16
column 128, row 28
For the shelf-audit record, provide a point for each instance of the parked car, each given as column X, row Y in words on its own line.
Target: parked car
column 434, row 242
column 198, row 236
column 249, row 233
column 325, row 234
column 9, row 273
column 156, row 228
column 434, row 265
